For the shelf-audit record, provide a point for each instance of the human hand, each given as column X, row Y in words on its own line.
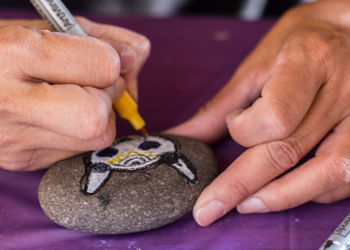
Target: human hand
column 132, row 48
column 291, row 92
column 56, row 90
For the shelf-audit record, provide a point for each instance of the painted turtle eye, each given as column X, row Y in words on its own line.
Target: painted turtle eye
column 146, row 145
column 107, row 152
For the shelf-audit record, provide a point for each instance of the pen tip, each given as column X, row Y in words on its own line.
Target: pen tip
column 144, row 131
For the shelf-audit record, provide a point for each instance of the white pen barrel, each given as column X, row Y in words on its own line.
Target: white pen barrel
column 340, row 238
column 58, row 16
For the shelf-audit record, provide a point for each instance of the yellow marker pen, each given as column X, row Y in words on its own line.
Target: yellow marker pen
column 127, row 109
column 61, row 20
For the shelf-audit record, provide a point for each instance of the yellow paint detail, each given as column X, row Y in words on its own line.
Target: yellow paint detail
column 129, row 154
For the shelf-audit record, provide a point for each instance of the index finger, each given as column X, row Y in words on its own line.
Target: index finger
column 137, row 42
column 60, row 58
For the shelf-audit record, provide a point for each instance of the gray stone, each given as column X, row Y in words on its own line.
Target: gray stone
column 131, row 186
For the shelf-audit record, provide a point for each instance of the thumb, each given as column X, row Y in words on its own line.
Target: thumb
column 208, row 124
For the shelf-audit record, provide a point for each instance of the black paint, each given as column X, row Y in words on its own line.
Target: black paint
column 147, row 145
column 100, row 168
column 104, row 201
column 107, row 152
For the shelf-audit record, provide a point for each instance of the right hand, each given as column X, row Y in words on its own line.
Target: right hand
column 56, row 90
column 290, row 94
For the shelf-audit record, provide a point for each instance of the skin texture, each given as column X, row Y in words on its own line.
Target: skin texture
column 48, row 111
column 291, row 93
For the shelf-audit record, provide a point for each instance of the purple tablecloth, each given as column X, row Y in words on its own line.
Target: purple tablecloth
column 191, row 59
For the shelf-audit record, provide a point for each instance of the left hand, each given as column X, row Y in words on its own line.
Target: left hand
column 291, row 92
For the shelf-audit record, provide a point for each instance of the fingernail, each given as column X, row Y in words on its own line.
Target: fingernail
column 252, row 205
column 209, row 213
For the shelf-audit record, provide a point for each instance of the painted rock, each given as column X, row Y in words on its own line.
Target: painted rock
column 137, row 184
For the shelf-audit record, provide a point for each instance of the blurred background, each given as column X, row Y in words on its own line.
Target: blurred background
column 244, row 9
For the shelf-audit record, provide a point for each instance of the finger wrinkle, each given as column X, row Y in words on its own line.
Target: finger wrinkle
column 283, row 154
column 337, row 170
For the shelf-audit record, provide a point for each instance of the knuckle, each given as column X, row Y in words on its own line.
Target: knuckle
column 106, row 139
column 93, row 120
column 109, row 70
column 144, row 46
column 237, row 186
column 317, row 43
column 283, row 154
column 12, row 33
column 278, row 122
column 14, row 40
column 337, row 170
